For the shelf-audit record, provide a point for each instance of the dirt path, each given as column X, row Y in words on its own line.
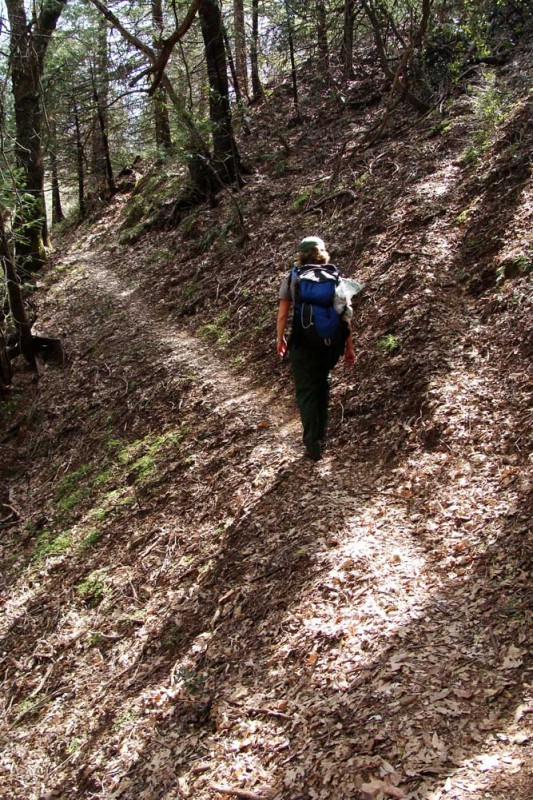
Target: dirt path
column 240, row 617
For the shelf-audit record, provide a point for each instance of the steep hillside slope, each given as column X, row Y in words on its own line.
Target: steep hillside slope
column 190, row 609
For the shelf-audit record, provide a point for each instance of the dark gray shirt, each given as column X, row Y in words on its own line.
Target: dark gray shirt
column 287, row 288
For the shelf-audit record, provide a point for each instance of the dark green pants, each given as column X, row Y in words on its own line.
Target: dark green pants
column 311, row 378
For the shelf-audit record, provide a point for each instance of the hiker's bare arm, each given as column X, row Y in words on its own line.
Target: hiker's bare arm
column 283, row 316
column 349, row 352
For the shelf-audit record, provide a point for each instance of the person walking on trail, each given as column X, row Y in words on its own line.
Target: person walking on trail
column 320, row 335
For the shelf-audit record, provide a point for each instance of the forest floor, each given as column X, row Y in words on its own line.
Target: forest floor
column 193, row 610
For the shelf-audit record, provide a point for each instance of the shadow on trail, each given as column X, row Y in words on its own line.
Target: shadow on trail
column 428, row 677
column 225, row 621
column 498, row 196
column 431, row 319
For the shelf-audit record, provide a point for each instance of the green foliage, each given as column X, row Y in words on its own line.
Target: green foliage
column 29, row 706
column 189, row 291
column 135, row 211
column 206, row 241
column 514, row 266
column 388, row 343
column 123, row 719
column 103, row 477
column 192, row 680
column 280, row 169
column 361, row 180
column 151, row 446
column 95, row 640
column 70, row 493
column 113, row 444
column 162, row 257
column 304, row 197
column 131, row 235
column 51, row 544
column 490, row 106
column 188, row 224
column 92, row 589
column 217, row 331
column 59, row 269
column 144, row 467
column 441, row 127
column 24, row 209
column 140, row 459
column 73, row 746
column 462, row 218
column 90, row 540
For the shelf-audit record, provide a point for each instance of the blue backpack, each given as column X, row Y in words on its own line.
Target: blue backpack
column 315, row 320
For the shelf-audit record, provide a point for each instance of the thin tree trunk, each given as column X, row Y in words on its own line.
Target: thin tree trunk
column 399, row 79
column 201, row 170
column 231, row 63
column 347, row 39
column 100, row 96
column 28, row 46
column 5, row 366
column 226, row 154
column 163, row 137
column 57, row 210
column 16, row 303
column 322, row 38
column 294, row 76
column 241, row 67
column 378, row 38
column 257, row 89
column 104, row 141
column 236, row 84
column 80, row 171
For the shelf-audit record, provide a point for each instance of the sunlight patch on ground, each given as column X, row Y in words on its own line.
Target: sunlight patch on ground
column 439, row 183
column 233, row 395
column 381, row 576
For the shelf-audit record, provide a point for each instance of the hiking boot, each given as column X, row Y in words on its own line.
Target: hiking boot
column 314, row 453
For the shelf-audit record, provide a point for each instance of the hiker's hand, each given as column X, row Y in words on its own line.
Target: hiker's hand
column 282, row 347
column 349, row 357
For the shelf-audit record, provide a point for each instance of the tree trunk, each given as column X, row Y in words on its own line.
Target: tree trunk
column 378, row 38
column 232, row 68
column 163, row 137
column 241, row 67
column 28, row 46
column 347, row 39
column 16, row 303
column 257, row 89
column 100, row 94
column 226, row 154
column 105, row 155
column 201, row 170
column 57, row 211
column 322, row 38
column 5, row 366
column 293, row 62
column 400, row 79
column 80, row 171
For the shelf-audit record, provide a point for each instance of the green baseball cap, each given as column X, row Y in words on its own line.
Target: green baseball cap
column 310, row 243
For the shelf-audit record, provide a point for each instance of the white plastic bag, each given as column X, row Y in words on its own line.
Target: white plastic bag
column 345, row 291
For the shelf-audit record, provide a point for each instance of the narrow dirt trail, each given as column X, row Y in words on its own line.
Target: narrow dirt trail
column 265, row 624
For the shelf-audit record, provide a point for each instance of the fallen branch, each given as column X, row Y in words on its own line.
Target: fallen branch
column 13, row 516
column 347, row 195
column 270, row 712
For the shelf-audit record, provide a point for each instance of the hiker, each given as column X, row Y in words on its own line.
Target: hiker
column 320, row 334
